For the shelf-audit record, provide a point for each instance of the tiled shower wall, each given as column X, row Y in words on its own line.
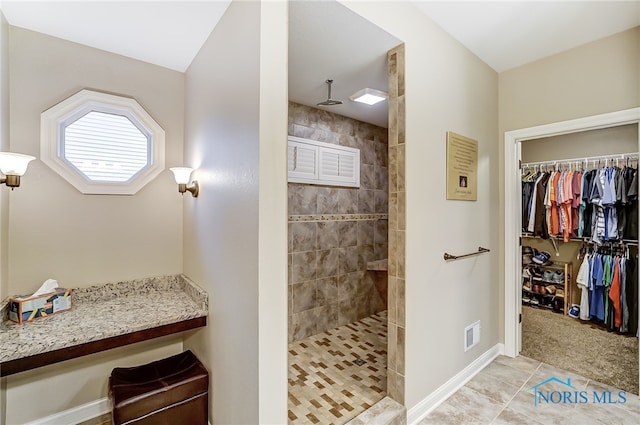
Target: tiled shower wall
column 397, row 226
column 335, row 231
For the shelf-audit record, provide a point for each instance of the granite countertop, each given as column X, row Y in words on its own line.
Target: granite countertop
column 104, row 311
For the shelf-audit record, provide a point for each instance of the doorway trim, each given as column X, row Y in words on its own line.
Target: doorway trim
column 512, row 205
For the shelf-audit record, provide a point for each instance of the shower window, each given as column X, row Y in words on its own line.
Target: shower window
column 102, row 144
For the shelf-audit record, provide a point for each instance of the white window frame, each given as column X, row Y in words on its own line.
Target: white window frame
column 55, row 119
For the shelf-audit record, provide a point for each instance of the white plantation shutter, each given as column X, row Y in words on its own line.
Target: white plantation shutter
column 330, row 164
column 303, row 161
column 348, row 167
column 321, row 163
column 337, row 166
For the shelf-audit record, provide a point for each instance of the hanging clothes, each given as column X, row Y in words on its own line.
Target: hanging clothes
column 609, row 291
column 540, row 223
column 600, row 204
column 527, row 192
column 554, row 229
column 631, row 208
column 632, row 295
column 614, row 294
column 582, row 279
column 596, row 289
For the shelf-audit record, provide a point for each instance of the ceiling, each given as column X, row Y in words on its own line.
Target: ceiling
column 327, row 40
column 165, row 33
column 507, row 34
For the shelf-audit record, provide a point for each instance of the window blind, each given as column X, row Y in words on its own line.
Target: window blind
column 106, row 147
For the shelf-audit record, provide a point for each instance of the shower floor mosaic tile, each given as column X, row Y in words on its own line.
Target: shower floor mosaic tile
column 336, row 375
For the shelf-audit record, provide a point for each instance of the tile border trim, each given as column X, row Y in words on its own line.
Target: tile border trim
column 336, row 217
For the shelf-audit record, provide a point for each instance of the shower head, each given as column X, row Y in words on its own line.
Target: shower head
column 329, row 101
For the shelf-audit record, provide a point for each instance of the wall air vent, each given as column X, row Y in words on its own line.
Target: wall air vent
column 471, row 335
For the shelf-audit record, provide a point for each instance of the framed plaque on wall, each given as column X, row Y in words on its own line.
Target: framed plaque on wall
column 462, row 168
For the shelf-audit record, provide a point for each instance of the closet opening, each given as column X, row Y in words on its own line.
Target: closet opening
column 593, row 243
column 579, row 253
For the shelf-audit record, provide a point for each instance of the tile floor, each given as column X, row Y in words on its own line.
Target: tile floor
column 502, row 394
column 327, row 385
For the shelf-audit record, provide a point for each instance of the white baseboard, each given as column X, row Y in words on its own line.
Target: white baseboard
column 76, row 414
column 423, row 408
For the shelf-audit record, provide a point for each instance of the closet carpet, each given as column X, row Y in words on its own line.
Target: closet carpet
column 580, row 347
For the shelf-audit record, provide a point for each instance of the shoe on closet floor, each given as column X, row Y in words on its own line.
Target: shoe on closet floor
column 558, row 304
column 535, row 271
column 574, row 311
column 542, row 258
column 527, row 254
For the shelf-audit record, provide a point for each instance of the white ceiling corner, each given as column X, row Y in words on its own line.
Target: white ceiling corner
column 507, row 34
column 165, row 33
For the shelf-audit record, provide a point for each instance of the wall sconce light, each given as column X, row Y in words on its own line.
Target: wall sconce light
column 183, row 177
column 13, row 166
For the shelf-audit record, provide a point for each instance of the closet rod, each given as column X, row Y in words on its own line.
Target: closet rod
column 624, row 156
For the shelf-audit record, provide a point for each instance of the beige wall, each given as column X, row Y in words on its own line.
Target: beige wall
column 51, row 389
column 272, row 244
column 592, row 79
column 595, row 78
column 4, row 146
column 235, row 231
column 55, row 231
column 605, row 141
column 448, row 89
column 4, row 193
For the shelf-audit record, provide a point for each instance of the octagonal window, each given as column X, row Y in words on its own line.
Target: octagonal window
column 102, row 144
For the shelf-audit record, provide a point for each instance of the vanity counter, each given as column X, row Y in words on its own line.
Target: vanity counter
column 103, row 317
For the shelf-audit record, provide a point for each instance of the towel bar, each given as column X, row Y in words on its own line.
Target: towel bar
column 481, row 250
